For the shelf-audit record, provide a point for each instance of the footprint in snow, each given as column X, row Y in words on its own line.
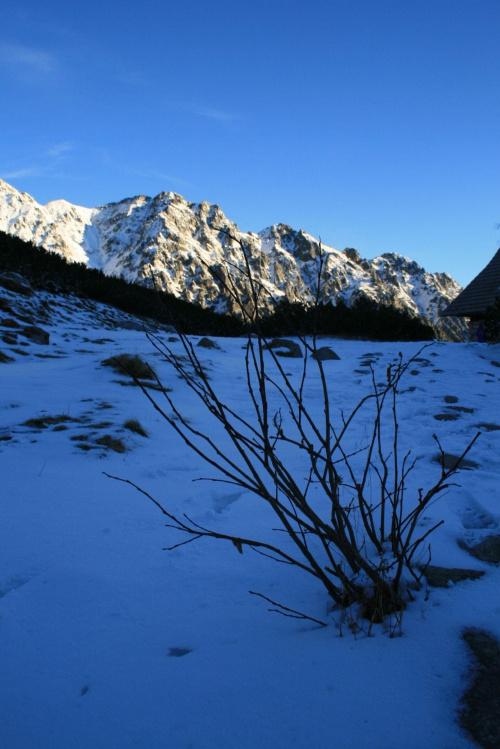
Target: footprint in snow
column 13, row 584
column 221, row 503
column 475, row 517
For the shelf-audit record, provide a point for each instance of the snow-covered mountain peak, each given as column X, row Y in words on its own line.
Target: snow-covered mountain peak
column 192, row 250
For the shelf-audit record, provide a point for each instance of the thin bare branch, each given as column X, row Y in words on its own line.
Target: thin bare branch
column 286, row 611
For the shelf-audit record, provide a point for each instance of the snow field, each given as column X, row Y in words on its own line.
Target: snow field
column 106, row 640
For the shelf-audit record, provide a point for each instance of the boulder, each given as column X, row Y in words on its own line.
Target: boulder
column 285, row 347
column 448, row 460
column 36, row 334
column 480, row 708
column 325, row 353
column 9, row 322
column 4, row 305
column 487, row 550
column 440, row 577
column 131, row 325
column 208, row 343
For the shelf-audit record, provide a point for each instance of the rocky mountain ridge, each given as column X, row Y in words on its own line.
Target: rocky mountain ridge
column 192, row 251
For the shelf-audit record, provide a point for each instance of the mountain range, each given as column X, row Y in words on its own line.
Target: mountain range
column 193, row 251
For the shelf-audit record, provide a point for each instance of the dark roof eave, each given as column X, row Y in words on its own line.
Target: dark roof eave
column 481, row 293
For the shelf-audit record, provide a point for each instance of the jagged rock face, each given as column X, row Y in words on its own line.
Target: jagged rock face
column 189, row 250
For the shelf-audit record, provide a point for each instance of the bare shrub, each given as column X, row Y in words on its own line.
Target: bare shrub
column 342, row 511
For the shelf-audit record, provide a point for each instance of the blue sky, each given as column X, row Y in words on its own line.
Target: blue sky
column 371, row 123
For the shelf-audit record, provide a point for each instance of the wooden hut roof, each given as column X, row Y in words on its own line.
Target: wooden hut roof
column 480, row 294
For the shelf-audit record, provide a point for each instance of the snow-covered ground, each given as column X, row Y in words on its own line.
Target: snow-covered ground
column 107, row 641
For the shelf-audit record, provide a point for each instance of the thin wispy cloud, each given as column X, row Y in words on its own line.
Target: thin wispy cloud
column 149, row 174
column 18, row 173
column 25, row 61
column 210, row 113
column 132, row 78
column 168, row 178
column 59, row 149
column 101, row 155
column 45, row 164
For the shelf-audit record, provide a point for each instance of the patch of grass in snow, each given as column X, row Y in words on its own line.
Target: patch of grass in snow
column 50, row 356
column 134, row 425
column 133, row 366
column 42, row 422
column 85, row 446
column 112, row 443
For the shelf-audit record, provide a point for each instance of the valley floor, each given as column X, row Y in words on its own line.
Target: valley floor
column 109, row 641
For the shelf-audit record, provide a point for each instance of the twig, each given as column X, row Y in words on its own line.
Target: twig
column 292, row 613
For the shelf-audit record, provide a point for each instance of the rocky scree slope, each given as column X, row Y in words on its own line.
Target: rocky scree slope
column 186, row 247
